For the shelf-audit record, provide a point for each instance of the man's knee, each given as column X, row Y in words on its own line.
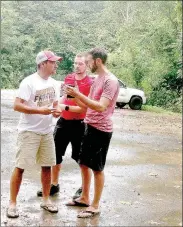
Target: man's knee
column 19, row 170
column 46, row 168
column 83, row 167
column 56, row 167
column 97, row 173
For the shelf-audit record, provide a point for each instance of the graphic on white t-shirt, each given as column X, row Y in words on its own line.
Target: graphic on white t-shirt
column 45, row 96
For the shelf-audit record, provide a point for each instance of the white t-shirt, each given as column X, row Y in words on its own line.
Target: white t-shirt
column 37, row 92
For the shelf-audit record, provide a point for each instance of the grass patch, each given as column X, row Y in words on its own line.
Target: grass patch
column 158, row 110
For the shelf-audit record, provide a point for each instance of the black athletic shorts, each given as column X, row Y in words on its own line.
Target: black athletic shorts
column 94, row 148
column 68, row 131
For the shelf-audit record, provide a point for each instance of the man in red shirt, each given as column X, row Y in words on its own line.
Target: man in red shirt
column 70, row 126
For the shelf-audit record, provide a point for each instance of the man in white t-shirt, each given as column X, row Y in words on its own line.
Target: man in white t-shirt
column 36, row 101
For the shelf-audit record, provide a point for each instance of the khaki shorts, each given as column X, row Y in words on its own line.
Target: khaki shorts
column 33, row 148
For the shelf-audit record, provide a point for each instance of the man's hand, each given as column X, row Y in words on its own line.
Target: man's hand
column 46, row 110
column 71, row 91
column 56, row 113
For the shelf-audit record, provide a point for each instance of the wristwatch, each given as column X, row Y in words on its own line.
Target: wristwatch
column 66, row 108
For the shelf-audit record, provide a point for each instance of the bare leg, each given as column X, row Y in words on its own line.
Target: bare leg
column 98, row 188
column 55, row 174
column 86, row 181
column 46, row 182
column 15, row 183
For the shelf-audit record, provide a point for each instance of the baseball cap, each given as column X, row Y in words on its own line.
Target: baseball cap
column 47, row 55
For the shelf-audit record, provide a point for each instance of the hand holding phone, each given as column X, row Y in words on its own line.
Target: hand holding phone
column 69, row 96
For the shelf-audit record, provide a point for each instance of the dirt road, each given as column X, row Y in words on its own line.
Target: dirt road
column 143, row 174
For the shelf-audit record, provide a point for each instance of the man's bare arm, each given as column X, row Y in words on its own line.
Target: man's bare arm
column 20, row 106
column 75, row 109
column 99, row 106
column 81, row 104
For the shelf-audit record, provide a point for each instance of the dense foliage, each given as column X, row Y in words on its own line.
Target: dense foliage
column 143, row 39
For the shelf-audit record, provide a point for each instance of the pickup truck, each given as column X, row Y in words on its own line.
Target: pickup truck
column 131, row 96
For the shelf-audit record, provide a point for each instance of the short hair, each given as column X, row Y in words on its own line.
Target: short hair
column 39, row 65
column 81, row 55
column 99, row 53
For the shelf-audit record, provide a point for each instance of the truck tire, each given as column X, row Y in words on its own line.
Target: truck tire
column 135, row 103
column 120, row 104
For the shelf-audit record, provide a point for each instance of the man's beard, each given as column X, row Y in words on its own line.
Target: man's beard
column 94, row 68
column 78, row 72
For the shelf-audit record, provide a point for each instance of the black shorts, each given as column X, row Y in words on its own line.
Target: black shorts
column 94, row 148
column 68, row 131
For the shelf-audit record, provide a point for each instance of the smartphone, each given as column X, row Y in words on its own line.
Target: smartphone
column 69, row 96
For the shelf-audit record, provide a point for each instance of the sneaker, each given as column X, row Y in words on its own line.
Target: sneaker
column 77, row 193
column 53, row 190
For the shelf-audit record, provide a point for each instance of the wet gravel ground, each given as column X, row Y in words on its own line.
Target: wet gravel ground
column 143, row 173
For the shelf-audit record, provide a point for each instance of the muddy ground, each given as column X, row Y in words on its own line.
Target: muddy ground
column 143, row 172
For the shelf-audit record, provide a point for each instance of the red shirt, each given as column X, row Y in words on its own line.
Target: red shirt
column 84, row 87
